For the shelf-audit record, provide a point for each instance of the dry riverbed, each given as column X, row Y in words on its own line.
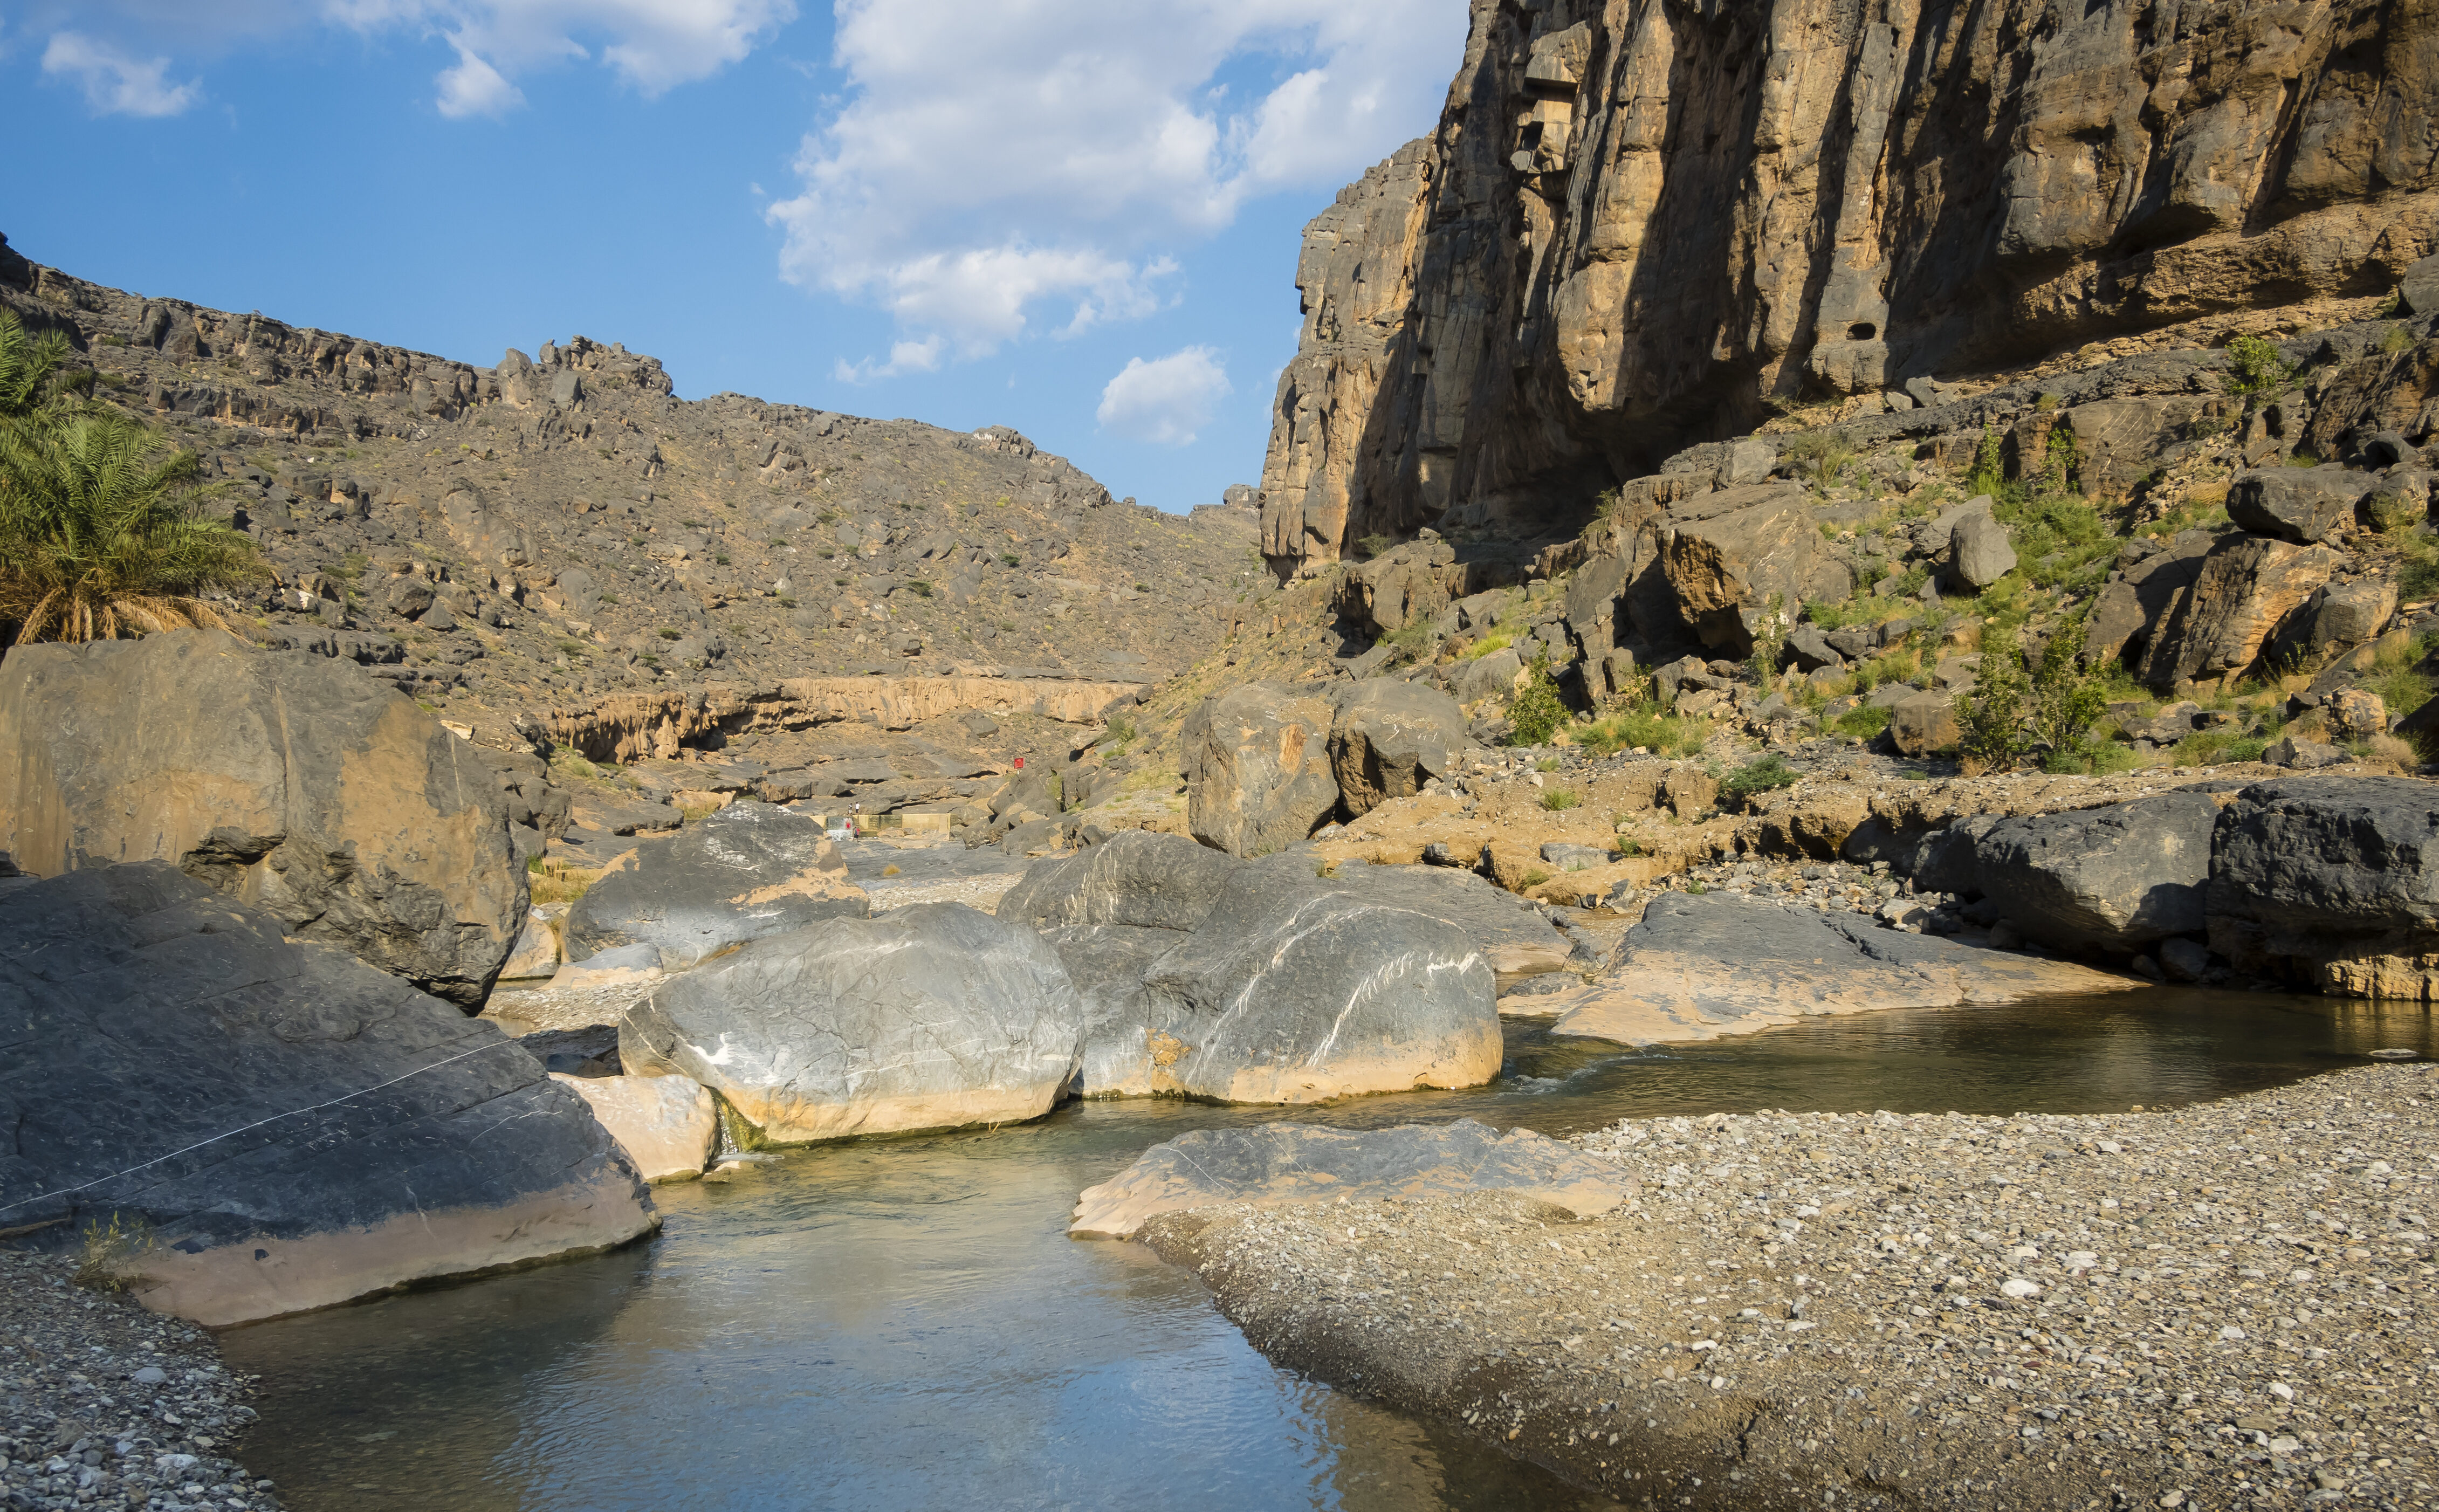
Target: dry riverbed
column 2222, row 1306
column 103, row 1405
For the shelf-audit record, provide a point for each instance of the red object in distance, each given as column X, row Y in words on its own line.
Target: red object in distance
column 1019, row 763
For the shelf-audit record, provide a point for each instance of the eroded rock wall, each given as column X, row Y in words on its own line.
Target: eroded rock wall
column 1642, row 224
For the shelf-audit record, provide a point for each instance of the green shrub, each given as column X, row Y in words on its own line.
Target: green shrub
column 1763, row 775
column 1990, row 719
column 1496, row 641
column 1863, row 722
column 1375, row 544
column 1826, row 452
column 669, row 634
column 2257, row 367
column 2066, row 702
column 1643, row 724
column 1557, row 800
column 918, row 587
column 1536, row 712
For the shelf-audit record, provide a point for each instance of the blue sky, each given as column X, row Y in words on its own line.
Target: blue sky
column 1078, row 219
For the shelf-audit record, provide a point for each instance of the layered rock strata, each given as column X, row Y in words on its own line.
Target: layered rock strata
column 1639, row 224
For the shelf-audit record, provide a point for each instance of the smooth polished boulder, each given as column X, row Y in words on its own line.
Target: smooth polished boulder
column 741, row 873
column 930, row 1017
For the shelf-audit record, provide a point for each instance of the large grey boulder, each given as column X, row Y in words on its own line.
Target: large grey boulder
column 1132, row 1041
column 1979, row 552
column 1296, row 989
column 2140, row 597
column 2306, row 506
column 1516, row 938
column 1390, row 737
column 2114, row 878
column 1256, row 766
column 741, row 873
column 295, row 1127
column 1137, row 878
column 1922, row 722
column 289, row 781
column 1126, row 921
column 1282, row 1164
column 929, row 1017
column 2332, row 881
column 1703, row 966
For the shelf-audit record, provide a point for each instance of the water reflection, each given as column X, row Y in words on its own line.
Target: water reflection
column 904, row 1322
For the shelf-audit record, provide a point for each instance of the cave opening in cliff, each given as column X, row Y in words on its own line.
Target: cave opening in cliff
column 1861, row 330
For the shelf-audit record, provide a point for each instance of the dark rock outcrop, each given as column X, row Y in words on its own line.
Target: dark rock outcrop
column 2117, row 878
column 292, row 1128
column 747, row 871
column 287, row 780
column 2331, row 882
column 930, row 1017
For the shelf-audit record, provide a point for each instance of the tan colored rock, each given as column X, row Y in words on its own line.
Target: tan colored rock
column 1285, row 1164
column 286, row 780
column 1923, row 723
column 659, row 724
column 1741, row 551
column 2248, row 585
column 668, row 1125
column 1702, row 968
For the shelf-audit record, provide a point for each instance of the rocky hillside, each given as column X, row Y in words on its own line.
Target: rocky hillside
column 555, row 540
column 1640, row 226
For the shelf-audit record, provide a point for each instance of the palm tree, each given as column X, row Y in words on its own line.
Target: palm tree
column 98, row 537
column 28, row 366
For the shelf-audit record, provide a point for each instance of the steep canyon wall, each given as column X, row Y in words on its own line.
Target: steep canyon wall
column 1643, row 224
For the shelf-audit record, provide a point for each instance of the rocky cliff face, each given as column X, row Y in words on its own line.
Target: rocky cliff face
column 1650, row 223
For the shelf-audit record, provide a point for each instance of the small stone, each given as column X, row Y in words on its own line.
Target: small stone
column 2015, row 1285
column 149, row 1375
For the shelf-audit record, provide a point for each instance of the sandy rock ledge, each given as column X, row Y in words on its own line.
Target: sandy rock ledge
column 2224, row 1306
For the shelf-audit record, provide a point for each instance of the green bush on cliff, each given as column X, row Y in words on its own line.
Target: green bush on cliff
column 1536, row 712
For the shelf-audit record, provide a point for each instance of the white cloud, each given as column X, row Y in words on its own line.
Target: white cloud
column 652, row 46
column 114, row 83
column 475, row 88
column 993, row 154
column 1166, row 400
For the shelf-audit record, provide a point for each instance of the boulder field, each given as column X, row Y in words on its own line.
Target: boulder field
column 276, row 1124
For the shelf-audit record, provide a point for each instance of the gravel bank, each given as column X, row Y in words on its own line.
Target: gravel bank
column 109, row 1406
column 2222, row 1306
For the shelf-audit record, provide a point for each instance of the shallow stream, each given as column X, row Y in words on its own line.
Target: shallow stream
column 904, row 1324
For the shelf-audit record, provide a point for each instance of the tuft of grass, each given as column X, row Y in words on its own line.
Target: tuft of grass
column 1557, row 800
column 1495, row 641
column 110, row 1252
column 1375, row 544
column 919, row 588
column 1863, row 723
column 556, row 881
column 1536, row 876
column 1646, row 725
column 1826, row 452
column 1763, row 775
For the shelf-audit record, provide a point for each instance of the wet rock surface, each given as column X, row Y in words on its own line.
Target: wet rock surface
column 105, row 1405
column 2219, row 1306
